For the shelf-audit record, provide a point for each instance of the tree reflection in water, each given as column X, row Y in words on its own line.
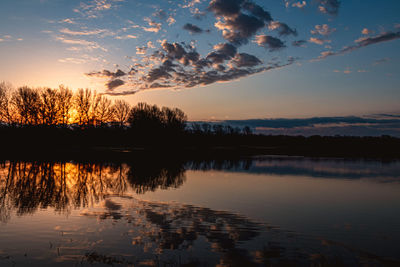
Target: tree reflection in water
column 159, row 233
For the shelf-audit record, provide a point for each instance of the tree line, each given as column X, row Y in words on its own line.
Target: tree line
column 61, row 106
column 27, row 106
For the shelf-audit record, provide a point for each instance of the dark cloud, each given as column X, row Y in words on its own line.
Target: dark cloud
column 225, row 7
column 240, row 28
column 283, row 28
column 269, row 42
column 299, row 43
column 329, row 6
column 363, row 42
column 239, row 19
column 223, row 51
column 384, row 37
column 245, row 60
column 181, row 66
column 114, row 84
column 192, row 28
column 107, row 74
column 257, row 11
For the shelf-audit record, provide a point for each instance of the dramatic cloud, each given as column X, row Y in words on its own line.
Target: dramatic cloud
column 222, row 52
column 114, row 84
column 181, row 66
column 236, row 25
column 283, row 28
column 269, row 42
column 245, row 60
column 192, row 28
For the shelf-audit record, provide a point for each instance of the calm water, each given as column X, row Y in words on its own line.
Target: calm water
column 255, row 212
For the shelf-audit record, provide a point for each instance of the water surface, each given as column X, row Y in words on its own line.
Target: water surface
column 248, row 212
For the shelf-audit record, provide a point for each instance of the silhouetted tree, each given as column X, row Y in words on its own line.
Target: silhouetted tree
column 65, row 102
column 83, row 106
column 152, row 119
column 103, row 110
column 6, row 113
column 49, row 107
column 121, row 112
column 26, row 102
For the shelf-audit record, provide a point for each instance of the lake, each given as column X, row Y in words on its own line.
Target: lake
column 261, row 211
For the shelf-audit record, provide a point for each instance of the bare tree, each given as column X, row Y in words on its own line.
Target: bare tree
column 49, row 108
column 83, row 103
column 26, row 102
column 121, row 112
column 6, row 113
column 65, row 104
column 104, row 110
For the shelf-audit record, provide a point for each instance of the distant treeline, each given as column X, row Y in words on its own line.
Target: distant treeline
column 42, row 119
column 61, row 107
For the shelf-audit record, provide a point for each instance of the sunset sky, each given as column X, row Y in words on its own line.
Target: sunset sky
column 218, row 59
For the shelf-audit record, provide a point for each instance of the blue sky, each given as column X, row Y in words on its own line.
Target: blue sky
column 218, row 59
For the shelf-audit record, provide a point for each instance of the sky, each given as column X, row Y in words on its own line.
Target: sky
column 214, row 59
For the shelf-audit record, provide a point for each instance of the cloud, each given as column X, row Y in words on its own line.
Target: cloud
column 181, row 66
column 283, row 28
column 192, row 28
column 245, row 60
column 72, row 60
column 106, row 74
column 89, row 45
column 269, row 42
column 94, row 7
column 239, row 20
column 83, row 33
column 171, row 20
column 362, row 42
column 366, row 31
column 141, row 50
column 323, row 30
column 125, row 37
column 222, row 52
column 69, row 21
column 298, row 4
column 161, row 14
column 346, row 71
column 239, row 29
column 330, row 7
column 153, row 26
column 299, row 43
column 318, row 41
column 114, row 84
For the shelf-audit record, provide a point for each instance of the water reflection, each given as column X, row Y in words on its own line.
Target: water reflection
column 28, row 186
column 114, row 227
